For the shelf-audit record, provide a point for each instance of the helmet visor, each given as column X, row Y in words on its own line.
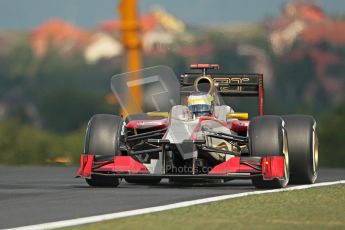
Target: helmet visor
column 200, row 108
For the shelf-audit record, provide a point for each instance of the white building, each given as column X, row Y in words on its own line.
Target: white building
column 102, row 46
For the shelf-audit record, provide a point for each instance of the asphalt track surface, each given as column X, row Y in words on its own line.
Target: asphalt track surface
column 34, row 195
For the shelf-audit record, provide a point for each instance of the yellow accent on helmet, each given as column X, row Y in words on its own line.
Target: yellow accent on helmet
column 200, row 99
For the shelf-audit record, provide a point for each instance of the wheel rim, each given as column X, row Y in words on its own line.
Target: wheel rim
column 286, row 157
column 315, row 154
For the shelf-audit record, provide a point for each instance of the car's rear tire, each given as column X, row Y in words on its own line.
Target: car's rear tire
column 103, row 135
column 141, row 116
column 303, row 148
column 145, row 181
column 267, row 137
column 103, row 141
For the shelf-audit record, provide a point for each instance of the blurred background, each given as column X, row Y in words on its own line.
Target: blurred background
column 57, row 58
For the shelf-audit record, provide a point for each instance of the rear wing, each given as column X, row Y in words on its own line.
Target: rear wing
column 232, row 85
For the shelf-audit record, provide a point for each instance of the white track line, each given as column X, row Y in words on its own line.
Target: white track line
column 92, row 219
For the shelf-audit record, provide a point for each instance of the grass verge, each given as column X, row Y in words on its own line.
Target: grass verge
column 315, row 208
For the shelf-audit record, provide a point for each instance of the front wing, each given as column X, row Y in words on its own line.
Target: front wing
column 237, row 167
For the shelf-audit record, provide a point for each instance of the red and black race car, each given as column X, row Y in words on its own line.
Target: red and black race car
column 183, row 129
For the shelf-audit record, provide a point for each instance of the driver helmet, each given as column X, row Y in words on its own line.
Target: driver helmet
column 200, row 104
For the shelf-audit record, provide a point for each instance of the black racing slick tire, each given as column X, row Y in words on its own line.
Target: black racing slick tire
column 303, row 148
column 103, row 135
column 267, row 137
column 145, row 181
column 102, row 181
column 103, row 141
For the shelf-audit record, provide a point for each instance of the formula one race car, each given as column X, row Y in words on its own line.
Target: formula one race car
column 182, row 129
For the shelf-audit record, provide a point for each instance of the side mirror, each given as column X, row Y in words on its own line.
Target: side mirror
column 158, row 114
column 242, row 116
